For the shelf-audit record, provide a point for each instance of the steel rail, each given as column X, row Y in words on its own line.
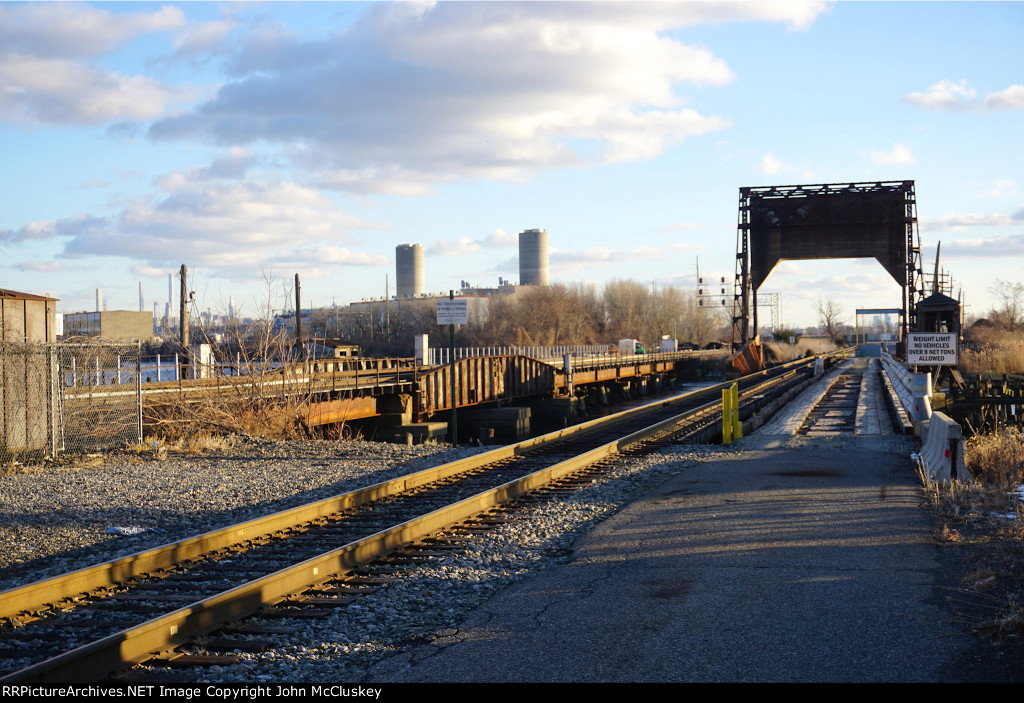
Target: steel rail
column 136, row 644
column 74, row 584
column 133, row 645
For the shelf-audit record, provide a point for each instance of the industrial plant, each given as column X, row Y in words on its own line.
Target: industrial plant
column 410, row 300
column 410, row 281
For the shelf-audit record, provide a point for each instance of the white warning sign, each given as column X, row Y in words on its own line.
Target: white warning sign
column 453, row 312
column 932, row 349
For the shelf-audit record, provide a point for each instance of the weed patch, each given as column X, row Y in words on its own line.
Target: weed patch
column 983, row 521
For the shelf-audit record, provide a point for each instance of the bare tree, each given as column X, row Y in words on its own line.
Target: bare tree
column 1009, row 311
column 830, row 317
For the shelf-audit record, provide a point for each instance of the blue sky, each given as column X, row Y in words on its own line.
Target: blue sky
column 253, row 141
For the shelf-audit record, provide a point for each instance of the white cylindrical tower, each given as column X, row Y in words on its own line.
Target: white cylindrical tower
column 533, row 257
column 410, row 278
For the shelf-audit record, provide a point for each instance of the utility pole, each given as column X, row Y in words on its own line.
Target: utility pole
column 298, row 312
column 183, row 311
column 451, row 342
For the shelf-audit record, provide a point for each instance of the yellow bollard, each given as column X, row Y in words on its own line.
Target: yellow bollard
column 737, row 426
column 726, row 416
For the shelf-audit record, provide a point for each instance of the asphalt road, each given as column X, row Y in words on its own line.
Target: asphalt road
column 789, row 560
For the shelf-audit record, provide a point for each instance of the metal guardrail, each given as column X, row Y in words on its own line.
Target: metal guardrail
column 174, row 368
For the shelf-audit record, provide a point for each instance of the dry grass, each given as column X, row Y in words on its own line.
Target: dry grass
column 253, row 404
column 983, row 520
column 202, row 443
column 997, row 459
column 992, row 350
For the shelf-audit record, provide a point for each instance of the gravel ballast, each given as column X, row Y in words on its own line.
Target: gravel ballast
column 56, row 520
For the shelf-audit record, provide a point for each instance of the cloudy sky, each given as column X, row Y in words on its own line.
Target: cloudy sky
column 253, row 141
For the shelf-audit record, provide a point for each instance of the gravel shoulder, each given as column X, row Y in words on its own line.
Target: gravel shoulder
column 54, row 518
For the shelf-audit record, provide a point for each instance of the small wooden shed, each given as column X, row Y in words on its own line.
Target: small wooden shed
column 25, row 317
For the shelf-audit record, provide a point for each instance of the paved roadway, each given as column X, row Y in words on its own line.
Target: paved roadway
column 791, row 559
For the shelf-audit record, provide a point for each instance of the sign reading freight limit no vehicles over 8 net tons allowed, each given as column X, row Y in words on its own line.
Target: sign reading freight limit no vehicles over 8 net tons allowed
column 453, row 312
column 932, row 349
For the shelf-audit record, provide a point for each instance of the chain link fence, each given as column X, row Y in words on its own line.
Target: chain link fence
column 68, row 397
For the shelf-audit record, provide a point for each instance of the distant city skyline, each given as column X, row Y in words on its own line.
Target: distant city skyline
column 253, row 141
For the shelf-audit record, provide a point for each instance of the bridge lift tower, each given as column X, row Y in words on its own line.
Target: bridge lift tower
column 825, row 221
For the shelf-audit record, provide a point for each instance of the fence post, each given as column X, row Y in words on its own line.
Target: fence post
column 138, row 385
column 55, row 389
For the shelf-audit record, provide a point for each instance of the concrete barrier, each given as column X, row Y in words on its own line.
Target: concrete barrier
column 942, row 453
column 900, row 379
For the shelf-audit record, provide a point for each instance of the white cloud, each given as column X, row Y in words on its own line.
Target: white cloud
column 331, row 255
column 41, row 266
column 462, row 245
column 994, row 248
column 1000, row 189
column 60, row 91
column 942, row 95
column 565, row 262
column 232, row 164
column 959, row 221
column 428, row 93
column 233, row 229
column 201, row 38
column 78, row 30
column 898, row 155
column 498, row 238
column 50, row 70
column 947, row 95
column 148, row 271
column 1008, row 99
column 770, row 165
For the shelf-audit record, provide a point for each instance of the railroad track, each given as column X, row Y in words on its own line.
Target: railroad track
column 836, row 412
column 91, row 623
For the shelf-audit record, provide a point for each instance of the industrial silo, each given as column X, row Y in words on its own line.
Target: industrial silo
column 533, row 257
column 410, row 278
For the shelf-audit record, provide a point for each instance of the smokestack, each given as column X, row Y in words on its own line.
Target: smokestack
column 142, row 304
column 99, row 300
